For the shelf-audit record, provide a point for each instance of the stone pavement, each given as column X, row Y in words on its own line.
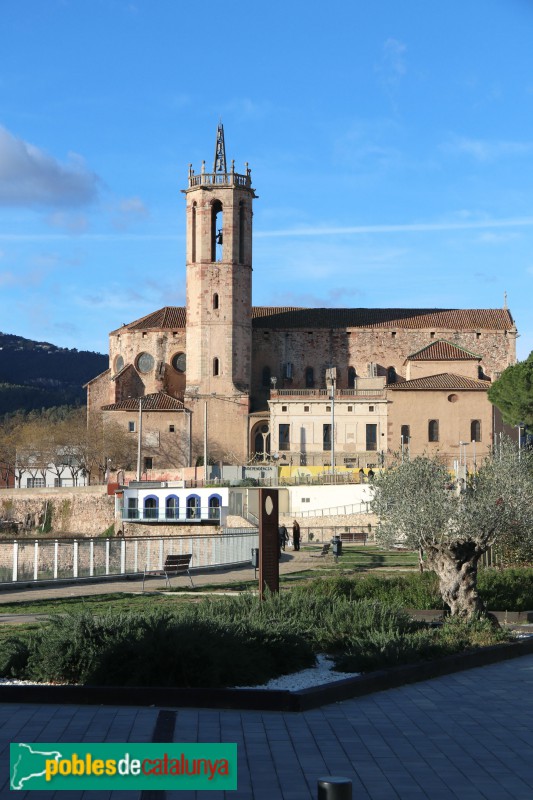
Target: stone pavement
column 468, row 735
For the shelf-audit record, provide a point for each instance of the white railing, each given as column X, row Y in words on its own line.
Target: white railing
column 355, row 508
column 72, row 559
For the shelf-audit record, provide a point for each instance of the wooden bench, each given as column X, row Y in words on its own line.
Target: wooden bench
column 174, row 565
column 354, row 536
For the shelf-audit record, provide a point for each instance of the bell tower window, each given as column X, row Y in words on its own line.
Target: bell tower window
column 217, row 224
column 193, row 233
column 241, row 232
column 216, row 366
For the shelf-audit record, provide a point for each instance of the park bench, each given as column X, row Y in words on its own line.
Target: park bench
column 174, row 565
column 354, row 536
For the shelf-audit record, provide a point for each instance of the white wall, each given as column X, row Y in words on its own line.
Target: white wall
column 318, row 498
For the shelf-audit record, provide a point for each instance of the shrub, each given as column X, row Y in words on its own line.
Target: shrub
column 378, row 649
column 417, row 590
column 162, row 649
column 507, row 590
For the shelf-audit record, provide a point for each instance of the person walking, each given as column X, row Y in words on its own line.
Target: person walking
column 296, row 535
column 282, row 537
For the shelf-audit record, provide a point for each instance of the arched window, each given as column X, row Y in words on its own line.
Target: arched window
column 193, row 507
column 480, row 373
column 405, row 434
column 266, row 377
column 193, row 233
column 309, row 377
column 150, row 507
column 433, row 430
column 214, row 503
column 475, row 430
column 172, row 507
column 216, row 366
column 215, row 301
column 241, row 232
column 352, row 377
column 217, row 224
column 391, row 375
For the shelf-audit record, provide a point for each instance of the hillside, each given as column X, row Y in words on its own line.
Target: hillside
column 40, row 375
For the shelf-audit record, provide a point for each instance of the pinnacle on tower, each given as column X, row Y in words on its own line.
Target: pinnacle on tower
column 220, row 151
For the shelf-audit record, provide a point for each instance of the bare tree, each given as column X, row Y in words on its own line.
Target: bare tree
column 420, row 507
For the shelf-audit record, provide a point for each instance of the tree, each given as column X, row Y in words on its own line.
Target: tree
column 453, row 523
column 512, row 393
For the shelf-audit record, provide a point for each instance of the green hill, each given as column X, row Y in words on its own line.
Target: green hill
column 36, row 375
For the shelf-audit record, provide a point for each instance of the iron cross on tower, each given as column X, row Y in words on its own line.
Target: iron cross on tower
column 220, row 151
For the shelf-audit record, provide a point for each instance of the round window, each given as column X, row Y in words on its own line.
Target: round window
column 179, row 362
column 452, row 398
column 145, row 362
column 119, row 363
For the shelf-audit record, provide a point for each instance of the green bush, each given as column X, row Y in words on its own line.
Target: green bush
column 416, row 590
column 161, row 649
column 377, row 649
column 507, row 590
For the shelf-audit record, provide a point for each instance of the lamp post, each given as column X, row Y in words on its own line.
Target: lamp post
column 139, row 440
column 331, row 378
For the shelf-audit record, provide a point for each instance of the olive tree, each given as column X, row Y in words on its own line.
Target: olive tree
column 454, row 523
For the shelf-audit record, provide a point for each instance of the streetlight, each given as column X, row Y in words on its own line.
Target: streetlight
column 331, row 378
column 139, row 441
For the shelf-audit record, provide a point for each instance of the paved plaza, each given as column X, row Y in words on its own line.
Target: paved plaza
column 468, row 735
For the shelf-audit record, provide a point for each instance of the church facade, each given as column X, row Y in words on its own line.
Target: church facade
column 307, row 386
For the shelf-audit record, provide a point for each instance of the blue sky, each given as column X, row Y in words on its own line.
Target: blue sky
column 391, row 146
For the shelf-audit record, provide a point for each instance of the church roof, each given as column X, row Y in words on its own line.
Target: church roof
column 445, row 380
column 158, row 401
column 169, row 317
column 442, row 350
column 174, row 317
column 417, row 318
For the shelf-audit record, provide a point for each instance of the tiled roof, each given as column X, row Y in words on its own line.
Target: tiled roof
column 174, row 317
column 169, row 317
column 417, row 318
column 441, row 350
column 444, row 381
column 158, row 401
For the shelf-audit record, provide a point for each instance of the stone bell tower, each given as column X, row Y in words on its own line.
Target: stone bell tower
column 219, row 287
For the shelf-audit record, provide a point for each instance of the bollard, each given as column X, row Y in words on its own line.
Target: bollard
column 334, row 788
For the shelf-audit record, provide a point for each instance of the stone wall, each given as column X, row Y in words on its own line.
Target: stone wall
column 84, row 511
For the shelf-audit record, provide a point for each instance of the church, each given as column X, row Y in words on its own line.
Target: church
column 311, row 387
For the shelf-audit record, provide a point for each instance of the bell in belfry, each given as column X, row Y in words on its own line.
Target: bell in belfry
column 219, row 237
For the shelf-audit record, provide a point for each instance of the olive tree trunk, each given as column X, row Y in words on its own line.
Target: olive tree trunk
column 455, row 564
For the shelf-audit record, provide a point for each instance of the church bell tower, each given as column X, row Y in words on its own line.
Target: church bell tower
column 219, row 278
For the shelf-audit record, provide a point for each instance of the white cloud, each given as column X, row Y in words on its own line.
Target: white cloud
column 392, row 65
column 410, row 227
column 488, row 150
column 129, row 211
column 30, row 177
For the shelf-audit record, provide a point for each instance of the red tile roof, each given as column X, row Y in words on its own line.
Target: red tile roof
column 444, row 381
column 158, row 401
column 174, row 317
column 441, row 350
column 417, row 318
column 169, row 317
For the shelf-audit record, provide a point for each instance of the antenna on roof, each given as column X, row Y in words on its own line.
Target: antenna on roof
column 505, row 300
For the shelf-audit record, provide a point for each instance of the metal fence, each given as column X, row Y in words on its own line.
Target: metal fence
column 61, row 559
column 320, row 534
